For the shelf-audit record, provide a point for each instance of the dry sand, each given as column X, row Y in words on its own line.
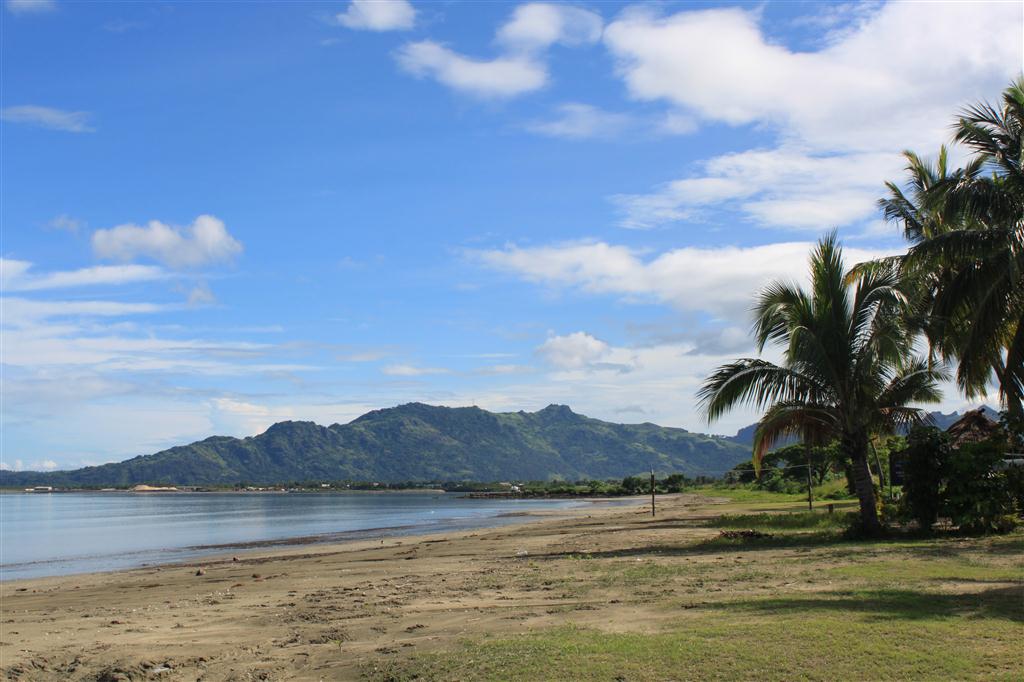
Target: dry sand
column 322, row 611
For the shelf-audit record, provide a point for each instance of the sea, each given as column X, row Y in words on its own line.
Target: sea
column 51, row 534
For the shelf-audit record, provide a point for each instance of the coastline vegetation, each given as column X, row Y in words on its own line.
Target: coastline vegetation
column 850, row 373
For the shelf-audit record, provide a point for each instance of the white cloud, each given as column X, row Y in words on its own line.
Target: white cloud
column 378, row 15
column 520, row 68
column 579, row 121
column 30, row 6
column 538, row 25
column 891, row 78
column 205, row 241
column 721, row 281
column 48, row 117
column 412, row 370
column 66, row 223
column 783, row 187
column 21, row 311
column 499, row 77
column 246, row 417
column 371, row 355
column 907, row 66
column 201, row 295
column 573, row 351
column 675, row 123
column 15, row 276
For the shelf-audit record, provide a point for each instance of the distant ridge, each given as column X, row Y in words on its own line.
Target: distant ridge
column 418, row 442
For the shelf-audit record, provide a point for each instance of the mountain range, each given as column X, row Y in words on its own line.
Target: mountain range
column 418, row 442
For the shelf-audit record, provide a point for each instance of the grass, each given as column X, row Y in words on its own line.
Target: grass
column 802, row 604
column 803, row 642
column 829, row 491
column 781, row 522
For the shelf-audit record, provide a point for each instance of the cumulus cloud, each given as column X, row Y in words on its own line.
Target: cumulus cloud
column 203, row 242
column 580, row 121
column 538, row 25
column 520, row 67
column 30, row 6
column 378, row 15
column 48, row 117
column 499, row 77
column 573, row 351
column 15, row 275
column 892, row 78
column 907, row 66
column 721, row 280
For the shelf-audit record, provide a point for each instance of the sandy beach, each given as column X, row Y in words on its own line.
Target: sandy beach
column 378, row 609
column 310, row 612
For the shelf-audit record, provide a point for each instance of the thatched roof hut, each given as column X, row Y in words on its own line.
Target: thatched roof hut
column 973, row 427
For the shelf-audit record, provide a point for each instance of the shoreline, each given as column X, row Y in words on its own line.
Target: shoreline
column 590, row 592
column 203, row 554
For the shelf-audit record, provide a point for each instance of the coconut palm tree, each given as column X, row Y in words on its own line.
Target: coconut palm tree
column 967, row 258
column 847, row 369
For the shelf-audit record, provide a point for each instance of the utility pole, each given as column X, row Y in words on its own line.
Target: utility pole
column 652, row 491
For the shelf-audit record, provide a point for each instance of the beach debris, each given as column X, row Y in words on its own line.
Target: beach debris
column 522, row 552
column 234, row 558
column 743, row 535
column 256, row 576
column 200, row 571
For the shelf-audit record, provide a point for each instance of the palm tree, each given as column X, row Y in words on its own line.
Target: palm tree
column 967, row 258
column 847, row 371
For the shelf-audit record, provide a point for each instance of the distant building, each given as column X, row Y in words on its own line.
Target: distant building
column 973, row 427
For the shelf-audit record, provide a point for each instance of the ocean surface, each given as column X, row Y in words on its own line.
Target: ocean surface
column 64, row 533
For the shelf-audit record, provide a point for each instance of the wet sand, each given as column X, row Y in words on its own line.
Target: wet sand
column 318, row 611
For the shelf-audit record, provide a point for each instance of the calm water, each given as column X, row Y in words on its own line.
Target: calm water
column 64, row 533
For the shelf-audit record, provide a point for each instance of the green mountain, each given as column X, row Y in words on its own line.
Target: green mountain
column 417, row 442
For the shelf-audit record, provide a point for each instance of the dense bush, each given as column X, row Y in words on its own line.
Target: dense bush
column 923, row 462
column 969, row 485
column 977, row 496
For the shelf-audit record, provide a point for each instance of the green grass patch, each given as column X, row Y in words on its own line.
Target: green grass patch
column 802, row 639
column 780, row 522
column 830, row 491
column 951, row 570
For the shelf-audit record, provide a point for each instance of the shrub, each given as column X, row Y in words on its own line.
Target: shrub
column 924, row 460
column 977, row 495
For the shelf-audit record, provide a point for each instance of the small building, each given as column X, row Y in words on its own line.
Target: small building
column 974, row 427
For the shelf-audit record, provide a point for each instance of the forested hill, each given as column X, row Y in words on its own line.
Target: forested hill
column 417, row 442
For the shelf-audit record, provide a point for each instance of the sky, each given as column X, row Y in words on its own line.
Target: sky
column 216, row 216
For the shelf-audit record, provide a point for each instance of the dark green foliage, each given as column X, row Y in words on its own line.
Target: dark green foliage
column 969, row 485
column 675, row 483
column 417, row 442
column 924, row 459
column 977, row 496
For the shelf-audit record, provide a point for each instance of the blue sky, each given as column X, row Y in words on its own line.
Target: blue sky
column 220, row 215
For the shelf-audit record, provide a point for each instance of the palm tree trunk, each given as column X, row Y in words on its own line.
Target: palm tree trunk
column 855, row 446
